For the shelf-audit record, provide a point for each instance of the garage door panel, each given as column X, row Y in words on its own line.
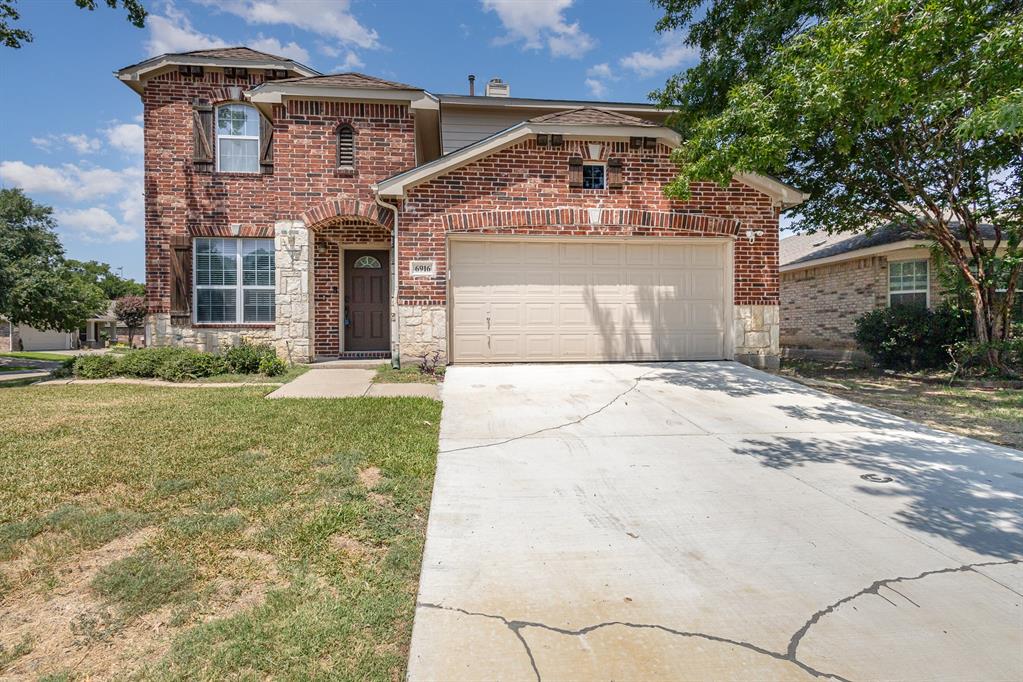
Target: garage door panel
column 550, row 301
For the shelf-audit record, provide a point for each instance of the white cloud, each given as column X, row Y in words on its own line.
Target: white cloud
column 597, row 88
column 90, row 185
column 327, row 49
column 83, row 144
column 670, row 55
column 174, row 33
column 68, row 181
column 128, row 137
column 600, row 71
column 350, row 63
column 331, row 18
column 96, row 224
column 290, row 50
column 539, row 24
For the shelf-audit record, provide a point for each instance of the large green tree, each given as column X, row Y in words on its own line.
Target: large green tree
column 12, row 36
column 113, row 285
column 36, row 285
column 885, row 111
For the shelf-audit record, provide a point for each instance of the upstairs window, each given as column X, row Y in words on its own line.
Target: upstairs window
column 594, row 176
column 234, row 280
column 907, row 283
column 346, row 147
column 237, row 139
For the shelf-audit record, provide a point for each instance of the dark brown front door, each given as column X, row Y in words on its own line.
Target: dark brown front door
column 367, row 318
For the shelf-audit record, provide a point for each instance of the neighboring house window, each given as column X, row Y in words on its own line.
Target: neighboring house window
column 234, row 280
column 237, row 139
column 346, row 147
column 594, row 176
column 907, row 283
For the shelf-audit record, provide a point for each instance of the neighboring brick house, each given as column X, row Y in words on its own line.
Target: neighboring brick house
column 828, row 281
column 319, row 214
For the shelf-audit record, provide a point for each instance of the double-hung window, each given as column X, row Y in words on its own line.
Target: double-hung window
column 594, row 176
column 907, row 282
column 234, row 281
column 237, row 139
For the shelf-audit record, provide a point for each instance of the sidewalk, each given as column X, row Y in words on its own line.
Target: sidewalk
column 349, row 383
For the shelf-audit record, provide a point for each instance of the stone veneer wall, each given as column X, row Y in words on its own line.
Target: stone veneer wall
column 293, row 300
column 423, row 331
column 160, row 331
column 755, row 330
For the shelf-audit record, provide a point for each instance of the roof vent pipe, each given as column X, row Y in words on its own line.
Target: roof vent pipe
column 472, row 85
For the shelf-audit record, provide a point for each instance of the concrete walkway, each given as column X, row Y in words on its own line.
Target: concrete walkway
column 706, row 521
column 349, row 383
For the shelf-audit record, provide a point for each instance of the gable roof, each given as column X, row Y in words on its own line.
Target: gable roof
column 809, row 248
column 240, row 52
column 349, row 80
column 592, row 116
column 584, row 122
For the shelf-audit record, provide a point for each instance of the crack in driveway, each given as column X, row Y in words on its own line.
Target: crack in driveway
column 790, row 655
column 556, row 427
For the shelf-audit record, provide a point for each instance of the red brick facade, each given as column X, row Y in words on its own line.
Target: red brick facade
column 181, row 201
column 524, row 190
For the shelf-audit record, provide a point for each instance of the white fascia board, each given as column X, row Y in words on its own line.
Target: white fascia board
column 477, row 101
column 787, row 195
column 396, row 186
column 274, row 93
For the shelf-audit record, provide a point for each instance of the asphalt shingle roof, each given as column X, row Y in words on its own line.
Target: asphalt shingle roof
column 235, row 53
column 801, row 248
column 349, row 80
column 592, row 116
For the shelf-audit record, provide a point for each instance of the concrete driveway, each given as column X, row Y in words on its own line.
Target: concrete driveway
column 706, row 521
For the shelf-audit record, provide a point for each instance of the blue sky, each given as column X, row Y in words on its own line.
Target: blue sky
column 72, row 135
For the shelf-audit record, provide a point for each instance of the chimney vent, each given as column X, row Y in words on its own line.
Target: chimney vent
column 472, row 85
column 498, row 88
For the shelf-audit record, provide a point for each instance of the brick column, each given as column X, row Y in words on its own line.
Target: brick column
column 294, row 301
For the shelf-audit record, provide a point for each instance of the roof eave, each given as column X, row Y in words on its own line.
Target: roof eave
column 133, row 75
column 854, row 254
column 274, row 93
column 786, row 195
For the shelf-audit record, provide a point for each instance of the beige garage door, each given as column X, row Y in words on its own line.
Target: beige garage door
column 543, row 301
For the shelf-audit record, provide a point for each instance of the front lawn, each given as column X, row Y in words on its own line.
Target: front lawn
column 156, row 533
column 16, row 368
column 409, row 373
column 991, row 414
column 36, row 355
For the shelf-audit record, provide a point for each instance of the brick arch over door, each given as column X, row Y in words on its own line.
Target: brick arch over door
column 619, row 221
column 338, row 208
column 330, row 237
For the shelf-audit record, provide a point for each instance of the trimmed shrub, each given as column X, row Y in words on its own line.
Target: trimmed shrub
column 190, row 365
column 66, row 368
column 95, row 366
column 145, row 363
column 272, row 366
column 911, row 337
column 246, row 357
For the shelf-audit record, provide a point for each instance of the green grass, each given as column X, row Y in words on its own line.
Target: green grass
column 35, row 355
column 408, row 374
column 241, row 524
column 15, row 368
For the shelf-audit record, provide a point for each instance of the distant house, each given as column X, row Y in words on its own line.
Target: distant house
column 21, row 337
column 97, row 331
column 828, row 281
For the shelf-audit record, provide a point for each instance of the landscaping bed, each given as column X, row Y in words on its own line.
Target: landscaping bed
column 151, row 533
column 983, row 409
column 177, row 364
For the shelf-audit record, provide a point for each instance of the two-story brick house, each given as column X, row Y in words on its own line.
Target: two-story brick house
column 338, row 215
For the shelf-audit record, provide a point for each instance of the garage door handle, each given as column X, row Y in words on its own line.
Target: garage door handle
column 488, row 322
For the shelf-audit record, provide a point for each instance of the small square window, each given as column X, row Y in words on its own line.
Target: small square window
column 594, row 176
